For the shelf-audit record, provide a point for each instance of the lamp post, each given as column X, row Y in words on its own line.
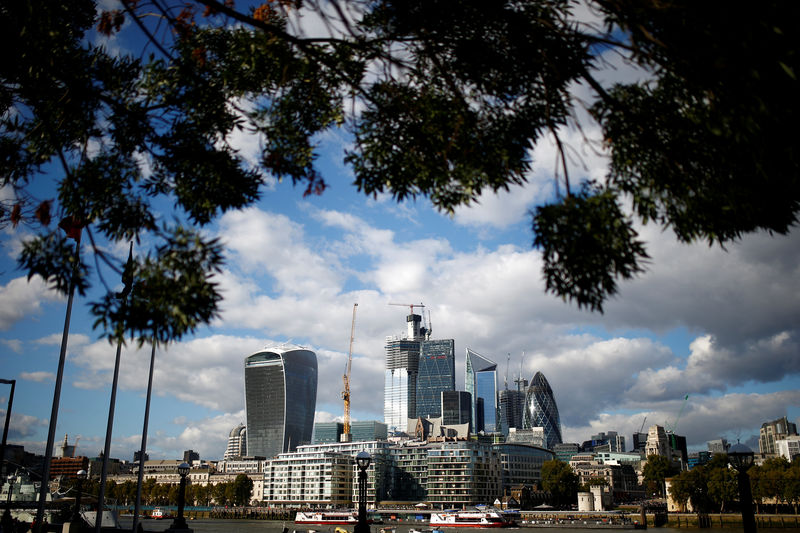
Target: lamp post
column 13, row 383
column 362, row 460
column 180, row 523
column 6, row 520
column 76, row 516
column 740, row 457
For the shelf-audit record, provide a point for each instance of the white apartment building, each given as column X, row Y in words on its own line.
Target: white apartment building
column 788, row 447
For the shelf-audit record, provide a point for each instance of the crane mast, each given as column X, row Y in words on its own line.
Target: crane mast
column 346, row 378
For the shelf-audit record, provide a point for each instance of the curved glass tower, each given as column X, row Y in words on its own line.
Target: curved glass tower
column 541, row 410
column 280, row 386
column 481, row 382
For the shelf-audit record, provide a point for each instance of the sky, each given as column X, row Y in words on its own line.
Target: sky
column 719, row 325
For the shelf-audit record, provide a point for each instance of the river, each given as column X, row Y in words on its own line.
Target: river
column 266, row 526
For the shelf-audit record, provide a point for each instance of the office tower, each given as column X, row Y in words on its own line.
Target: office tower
column 400, row 383
column 456, row 408
column 280, row 386
column 190, row 455
column 437, row 373
column 773, row 431
column 137, row 454
column 512, row 406
column 237, row 443
column 327, row 432
column 717, row 446
column 639, row 441
column 368, row 430
column 481, row 383
column 541, row 410
column 657, row 442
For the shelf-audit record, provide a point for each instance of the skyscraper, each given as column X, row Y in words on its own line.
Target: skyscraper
column 456, row 408
column 512, row 406
column 280, row 385
column 400, row 381
column 541, row 410
column 481, row 383
column 436, row 374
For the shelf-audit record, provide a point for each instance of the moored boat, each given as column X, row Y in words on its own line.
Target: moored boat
column 486, row 518
column 345, row 517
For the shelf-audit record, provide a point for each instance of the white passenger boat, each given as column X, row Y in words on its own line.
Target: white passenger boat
column 345, row 517
column 470, row 519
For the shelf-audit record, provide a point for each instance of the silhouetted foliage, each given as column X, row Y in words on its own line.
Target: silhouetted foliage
column 451, row 98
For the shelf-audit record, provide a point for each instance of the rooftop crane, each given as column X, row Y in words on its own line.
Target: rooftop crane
column 346, row 378
column 677, row 418
column 411, row 306
column 643, row 421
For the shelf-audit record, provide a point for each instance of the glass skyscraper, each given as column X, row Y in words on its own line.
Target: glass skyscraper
column 541, row 410
column 481, row 383
column 456, row 408
column 436, row 374
column 400, row 380
column 280, row 386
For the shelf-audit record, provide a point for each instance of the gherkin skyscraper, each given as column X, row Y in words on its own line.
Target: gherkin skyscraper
column 541, row 410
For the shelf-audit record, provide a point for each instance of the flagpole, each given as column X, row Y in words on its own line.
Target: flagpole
column 127, row 279
column 143, row 449
column 44, row 489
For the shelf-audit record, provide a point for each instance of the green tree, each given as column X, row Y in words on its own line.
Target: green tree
column 772, row 478
column 791, row 485
column 723, row 486
column 655, row 471
column 242, row 490
column 683, row 487
column 220, row 494
column 453, row 98
column 560, row 481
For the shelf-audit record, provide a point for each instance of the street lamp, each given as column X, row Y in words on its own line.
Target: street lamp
column 741, row 457
column 180, row 523
column 362, row 460
column 76, row 516
column 6, row 520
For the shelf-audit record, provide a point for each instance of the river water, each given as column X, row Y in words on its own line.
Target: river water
column 266, row 526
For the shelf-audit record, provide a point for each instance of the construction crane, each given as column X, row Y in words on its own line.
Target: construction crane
column 677, row 418
column 346, row 378
column 410, row 306
column 643, row 421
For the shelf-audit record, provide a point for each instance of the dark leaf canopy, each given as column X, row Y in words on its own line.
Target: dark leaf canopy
column 444, row 99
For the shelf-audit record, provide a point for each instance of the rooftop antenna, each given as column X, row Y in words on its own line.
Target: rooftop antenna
column 505, row 380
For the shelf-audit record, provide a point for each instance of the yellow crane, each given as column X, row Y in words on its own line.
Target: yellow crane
column 346, row 378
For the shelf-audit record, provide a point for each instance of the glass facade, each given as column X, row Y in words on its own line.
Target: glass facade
column 541, row 410
column 437, row 373
column 327, row 432
column 400, row 383
column 481, row 382
column 272, row 376
column 512, row 405
column 456, row 408
column 367, row 430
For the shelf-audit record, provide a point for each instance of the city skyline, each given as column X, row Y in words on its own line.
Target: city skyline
column 719, row 325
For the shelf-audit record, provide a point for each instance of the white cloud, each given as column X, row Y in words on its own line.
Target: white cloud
column 37, row 376
column 22, row 298
column 22, row 426
column 15, row 345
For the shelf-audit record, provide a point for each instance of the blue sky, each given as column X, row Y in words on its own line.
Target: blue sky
column 719, row 325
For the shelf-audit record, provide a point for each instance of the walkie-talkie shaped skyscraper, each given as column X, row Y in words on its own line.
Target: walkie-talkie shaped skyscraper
column 280, row 386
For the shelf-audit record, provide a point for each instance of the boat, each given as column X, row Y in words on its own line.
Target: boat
column 487, row 518
column 160, row 514
column 345, row 517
